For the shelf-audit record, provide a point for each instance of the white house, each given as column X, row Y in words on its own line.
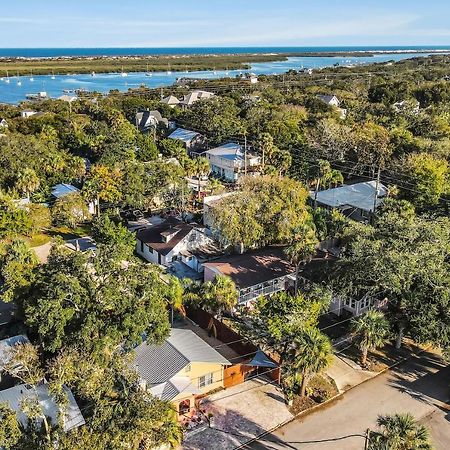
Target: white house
column 195, row 96
column 356, row 201
column 62, row 189
column 412, row 106
column 189, row 138
column 27, row 113
column 230, row 162
column 174, row 240
column 340, row 306
column 332, row 100
column 68, row 98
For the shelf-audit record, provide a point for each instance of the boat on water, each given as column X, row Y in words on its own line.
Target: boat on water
column 169, row 72
column 31, row 77
column 7, row 77
column 19, row 82
column 148, row 73
column 123, row 74
column 93, row 74
column 53, row 75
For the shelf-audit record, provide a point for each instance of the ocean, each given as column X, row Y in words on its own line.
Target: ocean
column 19, row 86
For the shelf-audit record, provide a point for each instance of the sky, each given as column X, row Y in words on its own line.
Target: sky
column 204, row 23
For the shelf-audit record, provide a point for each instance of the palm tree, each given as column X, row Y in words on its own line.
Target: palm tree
column 302, row 247
column 308, row 354
column 27, row 181
column 220, row 295
column 200, row 168
column 400, row 432
column 371, row 331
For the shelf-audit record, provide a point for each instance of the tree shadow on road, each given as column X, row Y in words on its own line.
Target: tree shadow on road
column 425, row 378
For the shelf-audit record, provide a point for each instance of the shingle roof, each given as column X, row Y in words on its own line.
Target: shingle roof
column 194, row 96
column 170, row 100
column 327, row 98
column 358, row 195
column 152, row 236
column 253, row 267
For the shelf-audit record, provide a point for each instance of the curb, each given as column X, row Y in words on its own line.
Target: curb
column 330, row 400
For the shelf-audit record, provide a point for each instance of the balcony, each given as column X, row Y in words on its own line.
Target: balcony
column 267, row 288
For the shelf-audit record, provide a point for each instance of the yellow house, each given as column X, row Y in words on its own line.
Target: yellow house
column 180, row 369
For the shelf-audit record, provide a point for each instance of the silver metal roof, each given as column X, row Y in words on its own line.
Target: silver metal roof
column 159, row 364
column 359, row 195
column 17, row 394
column 7, row 344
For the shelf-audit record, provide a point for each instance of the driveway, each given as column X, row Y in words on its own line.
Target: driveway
column 239, row 414
column 420, row 386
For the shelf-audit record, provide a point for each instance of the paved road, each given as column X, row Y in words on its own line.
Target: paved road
column 420, row 386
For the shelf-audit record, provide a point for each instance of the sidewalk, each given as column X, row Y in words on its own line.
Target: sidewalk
column 347, row 374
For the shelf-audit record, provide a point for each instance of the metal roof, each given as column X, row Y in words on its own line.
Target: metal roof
column 7, row 344
column 230, row 151
column 60, row 190
column 359, row 195
column 173, row 387
column 184, row 135
column 17, row 394
column 158, row 365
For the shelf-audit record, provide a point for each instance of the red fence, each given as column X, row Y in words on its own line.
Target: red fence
column 235, row 374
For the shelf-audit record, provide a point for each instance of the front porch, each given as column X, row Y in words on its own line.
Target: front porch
column 247, row 295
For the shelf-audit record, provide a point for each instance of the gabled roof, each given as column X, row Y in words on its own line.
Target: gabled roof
column 194, row 96
column 17, row 394
column 254, row 267
column 327, row 98
column 159, row 365
column 60, row 190
column 358, row 195
column 170, row 100
column 146, row 119
column 68, row 98
column 184, row 135
column 172, row 228
column 231, row 151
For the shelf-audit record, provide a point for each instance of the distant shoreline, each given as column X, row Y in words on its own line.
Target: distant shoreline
column 65, row 65
column 278, row 54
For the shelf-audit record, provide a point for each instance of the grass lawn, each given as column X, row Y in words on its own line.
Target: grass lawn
column 38, row 239
column 71, row 233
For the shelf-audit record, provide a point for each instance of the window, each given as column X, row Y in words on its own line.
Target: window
column 205, row 380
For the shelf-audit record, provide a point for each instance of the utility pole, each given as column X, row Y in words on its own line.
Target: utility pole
column 377, row 187
column 366, row 443
column 245, row 154
column 162, row 94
